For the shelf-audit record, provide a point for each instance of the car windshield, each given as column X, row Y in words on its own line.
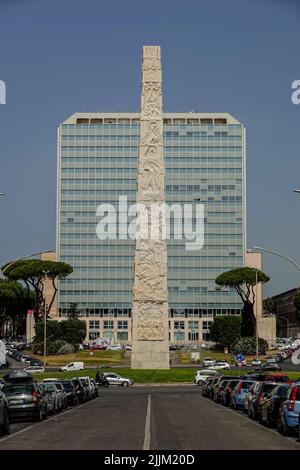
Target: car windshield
column 17, row 389
column 268, row 387
column 232, row 383
column 49, row 387
column 281, row 391
column 246, row 385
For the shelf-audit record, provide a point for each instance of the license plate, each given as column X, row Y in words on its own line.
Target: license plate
column 16, row 402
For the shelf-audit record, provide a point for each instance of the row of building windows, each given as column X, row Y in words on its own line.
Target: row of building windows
column 110, row 292
column 124, row 159
column 208, row 236
column 173, row 312
column 133, row 148
column 134, row 123
column 131, row 137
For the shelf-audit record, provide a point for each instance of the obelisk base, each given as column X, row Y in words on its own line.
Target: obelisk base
column 150, row 336
column 150, row 355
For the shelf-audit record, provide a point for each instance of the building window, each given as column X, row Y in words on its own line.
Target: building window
column 122, row 335
column 193, row 336
column 108, row 334
column 108, row 325
column 94, row 325
column 122, row 325
column 193, row 325
column 179, row 335
column 178, row 325
column 93, row 335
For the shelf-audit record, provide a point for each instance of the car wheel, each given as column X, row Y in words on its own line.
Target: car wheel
column 286, row 430
column 5, row 428
column 125, row 384
column 269, row 421
column 45, row 415
column 200, row 383
column 40, row 415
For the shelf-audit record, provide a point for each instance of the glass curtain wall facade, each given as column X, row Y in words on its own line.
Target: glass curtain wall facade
column 97, row 163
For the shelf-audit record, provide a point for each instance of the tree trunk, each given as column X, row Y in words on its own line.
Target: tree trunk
column 248, row 320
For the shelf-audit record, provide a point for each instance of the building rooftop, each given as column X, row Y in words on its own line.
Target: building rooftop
column 169, row 118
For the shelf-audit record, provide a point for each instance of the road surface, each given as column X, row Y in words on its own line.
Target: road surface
column 149, row 418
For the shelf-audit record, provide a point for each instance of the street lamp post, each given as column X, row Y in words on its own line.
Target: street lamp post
column 259, row 248
column 281, row 256
column 46, row 306
column 256, row 314
column 23, row 258
column 45, row 333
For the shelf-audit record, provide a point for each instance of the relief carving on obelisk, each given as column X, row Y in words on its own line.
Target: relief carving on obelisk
column 150, row 293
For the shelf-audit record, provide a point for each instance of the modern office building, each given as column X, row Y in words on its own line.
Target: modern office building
column 97, row 163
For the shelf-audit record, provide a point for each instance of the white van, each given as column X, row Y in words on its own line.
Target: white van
column 73, row 366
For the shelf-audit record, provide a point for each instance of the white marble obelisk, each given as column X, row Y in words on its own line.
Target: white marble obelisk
column 150, row 333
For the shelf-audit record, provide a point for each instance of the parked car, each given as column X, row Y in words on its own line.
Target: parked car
column 115, row 347
column 226, row 394
column 81, row 390
column 202, row 375
column 76, row 365
column 4, row 416
column 259, row 392
column 206, row 386
column 218, row 389
column 270, row 367
column 35, row 369
column 270, row 407
column 212, row 388
column 96, row 391
column 208, row 362
column 290, row 410
column 50, row 398
column 116, row 379
column 51, row 389
column 221, row 365
column 24, row 397
column 239, row 392
column 63, row 393
column 256, row 362
column 271, row 360
column 86, row 381
column 70, row 389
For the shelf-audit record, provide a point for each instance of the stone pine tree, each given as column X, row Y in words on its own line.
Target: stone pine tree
column 33, row 273
column 243, row 280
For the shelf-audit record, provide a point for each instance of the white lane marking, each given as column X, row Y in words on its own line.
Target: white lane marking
column 55, row 417
column 146, row 445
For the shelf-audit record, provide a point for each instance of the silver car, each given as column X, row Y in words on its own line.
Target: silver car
column 116, row 379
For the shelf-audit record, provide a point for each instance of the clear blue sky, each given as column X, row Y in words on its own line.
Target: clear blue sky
column 62, row 56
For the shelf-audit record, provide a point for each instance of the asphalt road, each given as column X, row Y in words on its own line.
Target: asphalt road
column 149, row 418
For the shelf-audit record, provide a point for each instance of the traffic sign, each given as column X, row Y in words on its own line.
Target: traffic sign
column 240, row 357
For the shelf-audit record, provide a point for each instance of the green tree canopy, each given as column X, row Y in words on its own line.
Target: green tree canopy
column 225, row 330
column 15, row 300
column 243, row 281
column 33, row 273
